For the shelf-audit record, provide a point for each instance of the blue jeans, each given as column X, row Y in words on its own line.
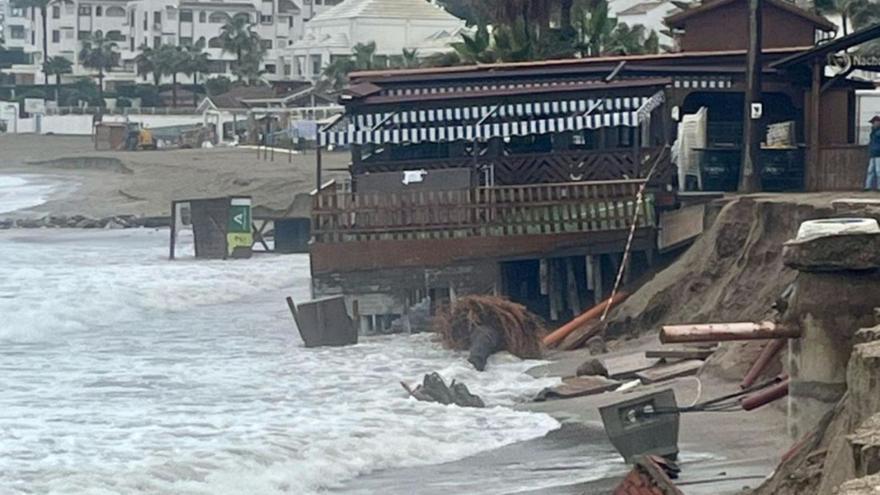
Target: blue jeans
column 872, row 182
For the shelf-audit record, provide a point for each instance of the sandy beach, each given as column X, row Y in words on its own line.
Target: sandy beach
column 143, row 183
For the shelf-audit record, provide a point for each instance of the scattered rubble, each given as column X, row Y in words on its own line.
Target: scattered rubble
column 592, row 367
column 83, row 222
column 434, row 389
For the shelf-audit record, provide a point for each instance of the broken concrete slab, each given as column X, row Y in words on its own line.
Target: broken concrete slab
column 865, row 442
column 578, row 387
column 860, row 486
column 669, row 371
column 833, row 253
column 626, row 366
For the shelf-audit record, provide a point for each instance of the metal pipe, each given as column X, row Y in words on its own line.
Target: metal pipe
column 767, row 396
column 716, row 332
column 770, row 351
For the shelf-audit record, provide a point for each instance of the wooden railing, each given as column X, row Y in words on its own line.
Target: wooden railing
column 576, row 207
column 549, row 168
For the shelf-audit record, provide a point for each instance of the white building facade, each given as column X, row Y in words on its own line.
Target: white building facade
column 134, row 23
column 394, row 25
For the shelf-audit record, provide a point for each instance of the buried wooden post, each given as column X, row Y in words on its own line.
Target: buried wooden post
column 293, row 312
column 715, row 332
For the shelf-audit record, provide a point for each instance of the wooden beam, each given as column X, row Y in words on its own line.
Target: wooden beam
column 716, row 332
column 813, row 108
column 750, row 171
column 679, row 353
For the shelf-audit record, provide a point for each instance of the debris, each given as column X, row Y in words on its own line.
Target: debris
column 628, row 386
column 767, row 396
column 714, row 332
column 324, row 322
column 578, row 387
column 416, row 320
column 592, row 367
column 628, row 365
column 767, row 354
column 643, row 425
column 585, row 317
column 485, row 341
column 597, row 346
column 679, row 353
column 578, row 337
column 670, row 371
column 434, row 389
column 650, row 475
column 520, row 330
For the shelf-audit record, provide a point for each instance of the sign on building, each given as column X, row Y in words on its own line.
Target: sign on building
column 35, row 105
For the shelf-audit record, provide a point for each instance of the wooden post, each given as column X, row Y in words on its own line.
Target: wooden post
column 574, row 299
column 293, row 311
column 814, row 108
column 318, row 165
column 717, row 332
column 171, row 245
column 588, row 262
column 750, row 170
column 597, row 284
column 356, row 315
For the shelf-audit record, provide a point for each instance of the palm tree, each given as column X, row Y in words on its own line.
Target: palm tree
column 171, row 60
column 409, row 58
column 237, row 36
column 100, row 54
column 336, row 72
column 364, row 54
column 476, row 48
column 146, row 62
column 57, row 66
column 198, row 62
column 42, row 6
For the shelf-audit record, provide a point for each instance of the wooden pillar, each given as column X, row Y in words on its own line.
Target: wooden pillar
column 597, row 280
column 750, row 170
column 318, row 165
column 814, row 109
column 574, row 298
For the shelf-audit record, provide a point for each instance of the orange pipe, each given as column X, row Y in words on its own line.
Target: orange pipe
column 596, row 311
column 767, row 354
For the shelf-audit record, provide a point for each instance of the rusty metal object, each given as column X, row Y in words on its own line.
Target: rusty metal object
column 767, row 354
column 766, row 396
column 716, row 332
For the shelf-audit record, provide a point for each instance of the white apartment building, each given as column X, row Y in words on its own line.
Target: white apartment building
column 133, row 23
column 649, row 13
column 394, row 25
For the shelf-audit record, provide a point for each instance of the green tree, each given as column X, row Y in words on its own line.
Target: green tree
column 854, row 14
column 238, row 37
column 198, row 62
column 335, row 74
column 218, row 85
column 364, row 55
column 597, row 33
column 99, row 53
column 57, row 66
column 172, row 60
column 475, row 48
column 409, row 58
column 146, row 62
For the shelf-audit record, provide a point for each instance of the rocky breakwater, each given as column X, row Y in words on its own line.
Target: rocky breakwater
column 84, row 222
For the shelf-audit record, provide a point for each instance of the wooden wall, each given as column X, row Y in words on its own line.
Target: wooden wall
column 840, row 168
column 726, row 28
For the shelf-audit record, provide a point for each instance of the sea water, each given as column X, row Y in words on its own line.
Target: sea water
column 124, row 372
column 23, row 191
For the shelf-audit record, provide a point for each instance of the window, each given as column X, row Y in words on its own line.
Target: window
column 265, row 19
column 202, row 16
column 218, row 17
column 56, row 12
column 157, row 18
column 85, row 10
column 287, row 69
column 157, row 41
column 186, row 16
column 83, row 35
column 300, row 65
column 99, row 11
column 16, row 12
column 131, row 44
column 115, row 36
column 217, row 67
column 242, row 15
column 145, row 21
column 171, row 14
column 56, row 36
column 16, row 32
column 266, row 44
column 185, row 41
column 215, row 43
column 116, row 12
column 315, row 61
column 270, row 68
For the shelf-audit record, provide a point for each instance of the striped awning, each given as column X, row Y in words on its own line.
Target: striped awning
column 486, row 121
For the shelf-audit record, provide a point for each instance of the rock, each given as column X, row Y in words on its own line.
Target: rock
column 87, row 223
column 592, row 367
column 860, row 486
column 113, row 224
column 485, row 341
column 833, row 253
column 867, row 335
column 434, row 389
column 6, row 224
column 597, row 346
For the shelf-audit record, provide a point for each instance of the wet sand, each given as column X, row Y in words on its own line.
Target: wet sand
column 143, row 183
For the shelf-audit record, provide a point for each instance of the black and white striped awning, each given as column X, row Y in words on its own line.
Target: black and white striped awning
column 703, row 82
column 487, row 122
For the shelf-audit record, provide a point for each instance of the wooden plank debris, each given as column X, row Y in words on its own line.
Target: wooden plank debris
column 670, row 371
column 579, row 337
column 578, row 387
column 693, row 353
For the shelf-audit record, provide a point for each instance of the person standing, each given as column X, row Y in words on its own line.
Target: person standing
column 872, row 181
